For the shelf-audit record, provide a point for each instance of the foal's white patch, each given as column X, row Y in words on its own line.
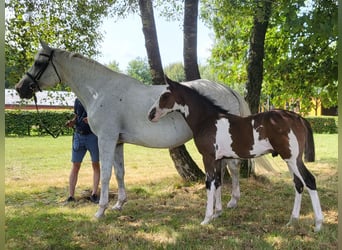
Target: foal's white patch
column 260, row 147
column 293, row 145
column 183, row 109
column 223, row 140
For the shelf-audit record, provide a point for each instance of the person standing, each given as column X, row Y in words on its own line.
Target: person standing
column 83, row 140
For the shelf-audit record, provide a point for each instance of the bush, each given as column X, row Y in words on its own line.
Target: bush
column 28, row 123
column 323, row 124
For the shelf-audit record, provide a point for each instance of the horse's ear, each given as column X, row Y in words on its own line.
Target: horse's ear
column 44, row 45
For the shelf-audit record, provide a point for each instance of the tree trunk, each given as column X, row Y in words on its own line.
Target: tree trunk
column 151, row 41
column 256, row 55
column 255, row 67
column 184, row 164
column 190, row 40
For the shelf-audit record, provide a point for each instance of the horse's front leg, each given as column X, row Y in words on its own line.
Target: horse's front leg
column 106, row 149
column 233, row 166
column 120, row 174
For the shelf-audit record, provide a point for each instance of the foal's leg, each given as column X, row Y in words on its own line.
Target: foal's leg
column 106, row 149
column 303, row 176
column 233, row 166
column 120, row 173
column 213, row 185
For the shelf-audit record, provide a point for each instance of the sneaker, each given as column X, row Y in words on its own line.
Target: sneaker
column 70, row 199
column 94, row 198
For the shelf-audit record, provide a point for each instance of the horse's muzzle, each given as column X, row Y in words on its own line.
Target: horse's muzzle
column 24, row 90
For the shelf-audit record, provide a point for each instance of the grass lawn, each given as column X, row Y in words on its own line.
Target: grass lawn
column 162, row 211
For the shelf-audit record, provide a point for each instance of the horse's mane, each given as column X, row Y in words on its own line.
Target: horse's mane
column 206, row 99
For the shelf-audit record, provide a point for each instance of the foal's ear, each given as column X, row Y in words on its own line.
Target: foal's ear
column 169, row 82
column 44, row 45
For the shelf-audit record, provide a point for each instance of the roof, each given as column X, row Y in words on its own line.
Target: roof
column 45, row 98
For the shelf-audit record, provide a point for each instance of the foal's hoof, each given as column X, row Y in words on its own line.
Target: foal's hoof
column 232, row 204
column 119, row 204
column 100, row 212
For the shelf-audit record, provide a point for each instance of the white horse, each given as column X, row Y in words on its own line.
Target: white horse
column 117, row 106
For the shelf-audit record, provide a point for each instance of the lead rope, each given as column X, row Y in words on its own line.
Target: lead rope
column 54, row 134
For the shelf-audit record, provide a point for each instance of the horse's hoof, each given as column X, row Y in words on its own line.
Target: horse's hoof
column 318, row 226
column 217, row 214
column 293, row 222
column 232, row 204
column 206, row 220
column 119, row 204
column 100, row 212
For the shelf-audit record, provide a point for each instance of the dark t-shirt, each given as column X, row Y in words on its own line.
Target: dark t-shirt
column 81, row 126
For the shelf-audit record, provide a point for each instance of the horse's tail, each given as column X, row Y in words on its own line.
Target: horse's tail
column 309, row 151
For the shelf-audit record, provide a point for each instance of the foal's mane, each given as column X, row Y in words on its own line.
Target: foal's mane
column 205, row 100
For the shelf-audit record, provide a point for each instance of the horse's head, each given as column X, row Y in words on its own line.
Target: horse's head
column 168, row 101
column 42, row 73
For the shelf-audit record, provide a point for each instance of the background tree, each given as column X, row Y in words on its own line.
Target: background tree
column 59, row 23
column 300, row 43
column 175, row 71
column 140, row 70
column 306, row 62
column 114, row 65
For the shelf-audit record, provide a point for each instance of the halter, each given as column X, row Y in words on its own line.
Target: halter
column 34, row 85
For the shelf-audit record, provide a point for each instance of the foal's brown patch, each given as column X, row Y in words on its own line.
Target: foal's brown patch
column 242, row 143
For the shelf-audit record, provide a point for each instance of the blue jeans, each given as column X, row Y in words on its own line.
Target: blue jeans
column 83, row 143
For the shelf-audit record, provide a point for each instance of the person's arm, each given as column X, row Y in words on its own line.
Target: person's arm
column 72, row 122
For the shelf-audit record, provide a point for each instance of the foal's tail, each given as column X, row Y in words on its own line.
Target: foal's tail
column 309, row 153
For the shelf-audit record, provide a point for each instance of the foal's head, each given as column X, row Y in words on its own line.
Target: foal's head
column 169, row 100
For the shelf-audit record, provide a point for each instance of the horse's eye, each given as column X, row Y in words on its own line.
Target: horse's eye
column 38, row 64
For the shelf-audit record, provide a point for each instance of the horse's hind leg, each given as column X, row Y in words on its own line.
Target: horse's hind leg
column 120, row 173
column 233, row 166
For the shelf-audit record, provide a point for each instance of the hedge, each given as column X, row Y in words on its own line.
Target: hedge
column 323, row 124
column 27, row 123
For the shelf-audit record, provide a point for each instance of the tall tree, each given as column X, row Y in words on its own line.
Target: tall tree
column 184, row 164
column 190, row 40
column 151, row 41
column 255, row 67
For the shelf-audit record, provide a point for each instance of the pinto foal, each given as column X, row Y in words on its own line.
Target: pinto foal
column 218, row 134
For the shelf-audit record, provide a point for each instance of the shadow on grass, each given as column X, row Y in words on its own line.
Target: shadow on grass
column 167, row 215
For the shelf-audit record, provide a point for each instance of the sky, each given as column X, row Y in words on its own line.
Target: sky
column 124, row 41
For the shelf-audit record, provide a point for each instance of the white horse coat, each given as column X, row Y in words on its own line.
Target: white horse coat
column 117, row 106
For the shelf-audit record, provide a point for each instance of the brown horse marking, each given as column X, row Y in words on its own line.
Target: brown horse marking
column 218, row 134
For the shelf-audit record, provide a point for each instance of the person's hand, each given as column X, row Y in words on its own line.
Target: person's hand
column 70, row 123
column 85, row 120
